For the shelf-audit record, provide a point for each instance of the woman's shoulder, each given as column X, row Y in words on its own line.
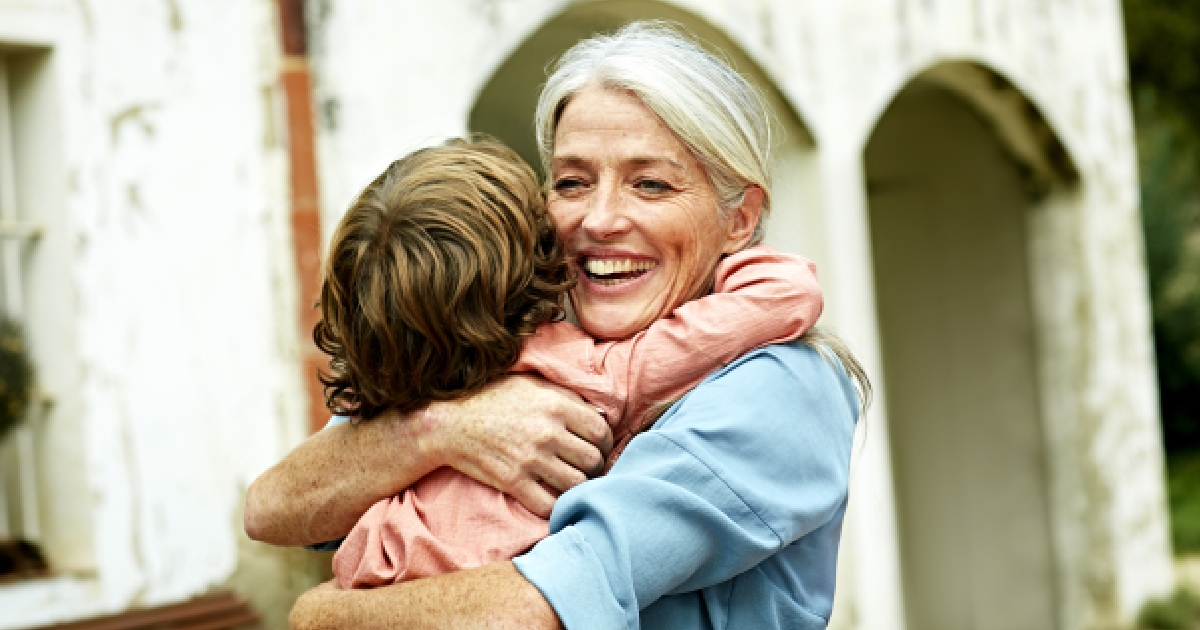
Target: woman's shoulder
column 775, row 426
column 796, row 357
column 770, row 388
column 801, row 369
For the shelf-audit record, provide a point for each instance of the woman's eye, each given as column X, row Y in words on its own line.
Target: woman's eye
column 568, row 184
column 653, row 185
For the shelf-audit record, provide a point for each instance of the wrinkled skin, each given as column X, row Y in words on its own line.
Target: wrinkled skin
column 623, row 187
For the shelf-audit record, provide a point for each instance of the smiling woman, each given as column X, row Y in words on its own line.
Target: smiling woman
column 637, row 175
column 637, row 213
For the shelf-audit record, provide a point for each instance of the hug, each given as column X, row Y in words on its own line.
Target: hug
column 600, row 403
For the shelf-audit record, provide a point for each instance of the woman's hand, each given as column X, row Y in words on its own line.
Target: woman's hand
column 523, row 436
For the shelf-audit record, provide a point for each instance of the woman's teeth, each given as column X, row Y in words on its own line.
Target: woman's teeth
column 608, row 271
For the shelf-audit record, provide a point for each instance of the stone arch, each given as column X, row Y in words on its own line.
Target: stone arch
column 505, row 105
column 957, row 167
column 1015, row 119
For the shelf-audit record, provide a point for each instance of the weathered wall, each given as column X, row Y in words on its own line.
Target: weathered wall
column 171, row 176
column 161, row 147
column 393, row 76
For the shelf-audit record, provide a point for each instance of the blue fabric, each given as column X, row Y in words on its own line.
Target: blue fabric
column 726, row 514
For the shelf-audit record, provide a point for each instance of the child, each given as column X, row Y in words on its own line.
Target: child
column 446, row 274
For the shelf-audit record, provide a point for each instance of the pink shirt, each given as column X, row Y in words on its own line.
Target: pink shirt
column 448, row 521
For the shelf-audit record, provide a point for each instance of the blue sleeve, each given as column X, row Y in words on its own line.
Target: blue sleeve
column 754, row 458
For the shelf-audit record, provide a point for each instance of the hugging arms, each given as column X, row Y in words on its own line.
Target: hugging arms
column 514, row 434
column 521, row 435
column 731, row 506
column 727, row 512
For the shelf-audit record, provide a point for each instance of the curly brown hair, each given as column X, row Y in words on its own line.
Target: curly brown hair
column 435, row 274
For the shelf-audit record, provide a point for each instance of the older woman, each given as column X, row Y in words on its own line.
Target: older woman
column 727, row 513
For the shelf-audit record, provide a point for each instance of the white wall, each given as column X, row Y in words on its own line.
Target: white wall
column 170, row 179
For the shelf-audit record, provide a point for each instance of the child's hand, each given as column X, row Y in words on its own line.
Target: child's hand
column 523, row 436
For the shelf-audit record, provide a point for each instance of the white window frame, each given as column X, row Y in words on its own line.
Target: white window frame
column 33, row 167
column 15, row 236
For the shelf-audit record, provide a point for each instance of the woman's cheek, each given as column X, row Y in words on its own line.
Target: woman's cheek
column 567, row 214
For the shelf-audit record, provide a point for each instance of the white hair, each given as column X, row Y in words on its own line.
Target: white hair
column 722, row 119
column 713, row 110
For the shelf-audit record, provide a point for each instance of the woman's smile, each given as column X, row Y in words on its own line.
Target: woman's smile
column 635, row 211
column 613, row 271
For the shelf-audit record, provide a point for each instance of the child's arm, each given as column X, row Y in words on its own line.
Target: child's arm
column 760, row 297
column 445, row 522
column 448, row 522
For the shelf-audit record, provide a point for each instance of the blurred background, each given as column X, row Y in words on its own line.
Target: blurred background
column 1164, row 60
column 1002, row 196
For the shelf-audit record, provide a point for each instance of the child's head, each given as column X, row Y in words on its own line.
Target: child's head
column 434, row 275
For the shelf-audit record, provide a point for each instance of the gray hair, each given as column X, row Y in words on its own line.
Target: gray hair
column 722, row 119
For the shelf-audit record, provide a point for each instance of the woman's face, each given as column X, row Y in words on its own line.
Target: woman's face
column 636, row 212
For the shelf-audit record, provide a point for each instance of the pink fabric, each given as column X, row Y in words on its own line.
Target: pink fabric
column 448, row 521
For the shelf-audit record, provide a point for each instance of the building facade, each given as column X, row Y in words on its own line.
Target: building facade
column 963, row 173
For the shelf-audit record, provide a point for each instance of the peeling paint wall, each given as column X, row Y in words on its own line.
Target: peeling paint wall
column 172, row 180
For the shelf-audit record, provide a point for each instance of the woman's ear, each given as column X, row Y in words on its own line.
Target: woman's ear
column 743, row 220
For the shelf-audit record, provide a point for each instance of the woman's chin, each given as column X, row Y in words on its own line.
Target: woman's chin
column 616, row 310
column 612, row 331
column 612, row 321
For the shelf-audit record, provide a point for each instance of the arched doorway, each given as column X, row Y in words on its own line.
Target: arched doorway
column 951, row 182
column 505, row 106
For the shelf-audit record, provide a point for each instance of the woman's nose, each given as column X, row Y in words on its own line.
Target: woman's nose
column 606, row 216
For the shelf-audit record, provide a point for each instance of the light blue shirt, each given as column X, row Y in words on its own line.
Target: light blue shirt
column 726, row 514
